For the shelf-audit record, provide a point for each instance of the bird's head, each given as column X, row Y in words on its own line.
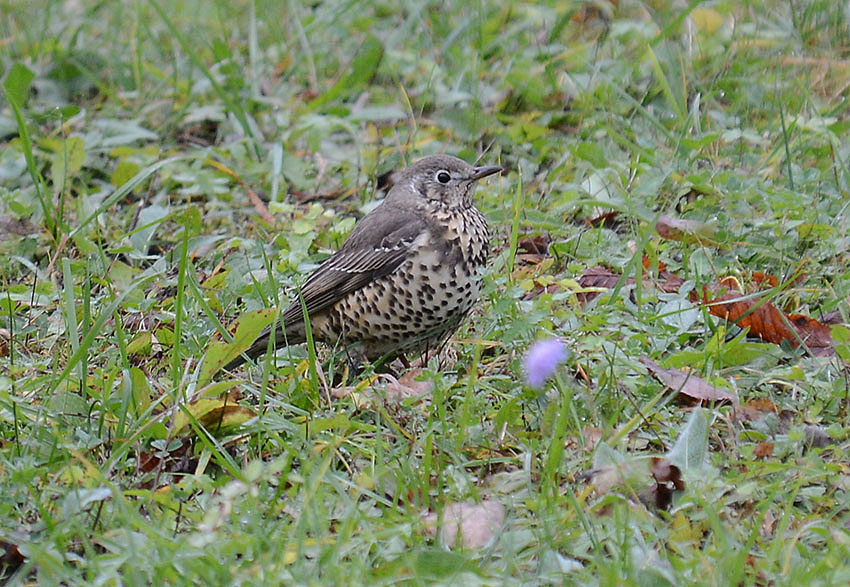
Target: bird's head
column 441, row 180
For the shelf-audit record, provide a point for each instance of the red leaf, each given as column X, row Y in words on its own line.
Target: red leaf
column 768, row 322
column 763, row 450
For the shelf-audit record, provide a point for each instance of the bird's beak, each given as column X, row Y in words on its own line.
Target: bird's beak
column 480, row 172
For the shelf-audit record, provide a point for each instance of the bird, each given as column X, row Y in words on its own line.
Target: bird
column 406, row 276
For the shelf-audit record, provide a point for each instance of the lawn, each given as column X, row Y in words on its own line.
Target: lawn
column 653, row 388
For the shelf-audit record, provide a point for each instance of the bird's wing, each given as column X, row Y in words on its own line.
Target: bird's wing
column 376, row 247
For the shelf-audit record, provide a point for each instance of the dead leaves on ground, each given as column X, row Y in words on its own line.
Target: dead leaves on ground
column 473, row 525
column 11, row 558
column 689, row 231
column 386, row 388
column 726, row 299
column 652, row 483
column 668, row 478
column 689, row 386
column 769, row 323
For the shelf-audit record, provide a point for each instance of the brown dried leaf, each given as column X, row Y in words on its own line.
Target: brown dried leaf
column 668, row 478
column 679, row 229
column 5, row 338
column 768, row 322
column 755, row 410
column 407, row 386
column 476, row 524
column 762, row 318
column 10, row 559
column 763, row 450
column 534, row 245
column 760, row 277
column 259, row 205
column 688, row 384
column 608, row 220
column 597, row 278
column 178, row 460
column 396, row 390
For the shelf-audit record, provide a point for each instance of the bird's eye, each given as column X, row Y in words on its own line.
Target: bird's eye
column 443, row 177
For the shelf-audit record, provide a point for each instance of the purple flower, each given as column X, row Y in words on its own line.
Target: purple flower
column 542, row 359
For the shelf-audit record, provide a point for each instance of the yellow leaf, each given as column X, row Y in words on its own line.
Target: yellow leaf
column 213, row 414
column 707, row 19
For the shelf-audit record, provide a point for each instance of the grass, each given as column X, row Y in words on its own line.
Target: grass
column 132, row 134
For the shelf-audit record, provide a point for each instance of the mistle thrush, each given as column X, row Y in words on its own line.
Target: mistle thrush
column 406, row 276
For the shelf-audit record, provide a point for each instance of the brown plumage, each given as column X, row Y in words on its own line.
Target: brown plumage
column 407, row 274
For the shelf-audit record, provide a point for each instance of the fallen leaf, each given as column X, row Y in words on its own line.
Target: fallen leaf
column 755, row 410
column 476, row 524
column 647, row 264
column 668, row 478
column 532, row 250
column 608, row 220
column 760, row 317
column 765, row 320
column 596, row 280
column 5, row 339
column 407, row 386
column 10, row 559
column 760, row 277
column 213, row 414
column 665, row 472
column 369, row 393
column 259, row 205
column 817, row 437
column 679, row 229
column 688, row 384
column 763, row 450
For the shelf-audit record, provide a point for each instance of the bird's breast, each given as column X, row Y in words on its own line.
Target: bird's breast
column 424, row 299
column 462, row 237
